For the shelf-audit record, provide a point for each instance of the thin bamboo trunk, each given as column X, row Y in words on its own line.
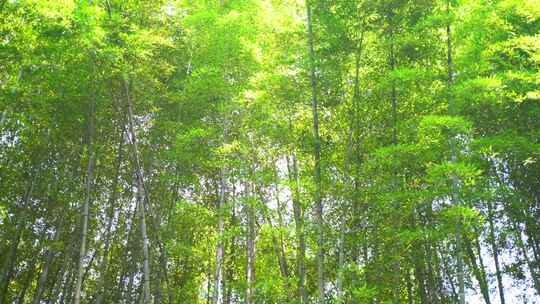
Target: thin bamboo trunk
column 460, row 268
column 292, row 167
column 55, row 291
column 341, row 264
column 45, row 272
column 419, row 270
column 459, row 251
column 354, row 146
column 280, row 208
column 129, row 261
column 68, row 268
column 477, row 271
column 9, row 265
column 282, row 264
column 276, row 246
column 218, row 292
column 101, row 290
column 481, row 264
column 129, row 291
column 431, row 288
column 162, row 272
column 3, row 118
column 67, row 291
column 89, row 267
column 317, row 158
column 209, row 284
column 140, row 195
column 27, row 281
column 54, row 279
column 86, row 206
column 220, row 249
column 495, row 252
column 10, row 259
column 229, row 281
column 250, row 244
column 393, row 98
column 523, row 249
column 352, row 142
column 410, row 293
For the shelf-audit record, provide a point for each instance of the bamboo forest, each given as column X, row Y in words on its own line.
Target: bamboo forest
column 269, row 151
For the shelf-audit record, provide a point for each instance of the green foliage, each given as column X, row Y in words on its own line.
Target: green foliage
column 219, row 97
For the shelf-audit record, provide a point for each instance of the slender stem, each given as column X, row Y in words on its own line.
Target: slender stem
column 459, row 239
column 317, row 157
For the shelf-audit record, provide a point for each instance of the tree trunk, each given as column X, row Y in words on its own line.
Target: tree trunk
column 317, row 159
column 278, row 249
column 27, row 281
column 393, row 97
column 250, row 275
column 419, row 269
column 431, row 273
column 283, row 256
column 101, row 290
column 523, row 249
column 449, row 276
column 86, row 206
column 67, row 291
column 450, row 80
column 228, row 283
column 161, row 273
column 130, row 289
column 140, row 195
column 90, row 263
column 477, row 271
column 67, row 265
column 3, row 118
column 220, row 249
column 354, row 149
column 45, row 273
column 481, row 264
column 55, row 290
column 460, row 268
column 9, row 265
column 495, row 251
column 341, row 264
column 276, row 246
column 353, row 142
column 292, row 168
column 129, row 261
column 410, row 293
column 209, row 284
column 218, row 292
column 10, row 259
